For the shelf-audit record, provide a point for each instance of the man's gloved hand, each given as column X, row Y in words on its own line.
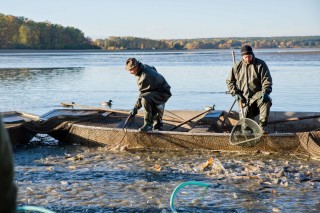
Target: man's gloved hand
column 133, row 112
column 265, row 97
column 234, row 91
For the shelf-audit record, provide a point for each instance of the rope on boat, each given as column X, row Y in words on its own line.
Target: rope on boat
column 177, row 116
column 177, row 189
column 33, row 208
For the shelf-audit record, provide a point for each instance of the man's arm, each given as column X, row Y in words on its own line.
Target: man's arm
column 232, row 82
column 266, row 79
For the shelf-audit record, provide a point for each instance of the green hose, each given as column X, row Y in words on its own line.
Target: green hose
column 33, row 208
column 173, row 195
column 176, row 190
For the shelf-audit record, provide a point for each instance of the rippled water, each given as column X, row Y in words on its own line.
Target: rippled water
column 37, row 82
column 80, row 179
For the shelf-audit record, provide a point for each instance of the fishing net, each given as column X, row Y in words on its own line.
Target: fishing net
column 246, row 133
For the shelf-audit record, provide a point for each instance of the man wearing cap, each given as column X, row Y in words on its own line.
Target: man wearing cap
column 154, row 93
column 251, row 77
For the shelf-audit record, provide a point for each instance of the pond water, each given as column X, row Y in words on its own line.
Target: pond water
column 37, row 82
column 81, row 179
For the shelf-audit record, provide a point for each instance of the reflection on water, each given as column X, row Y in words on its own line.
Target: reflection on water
column 26, row 89
column 35, row 75
column 79, row 179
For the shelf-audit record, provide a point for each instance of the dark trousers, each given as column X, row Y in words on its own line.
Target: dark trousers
column 258, row 108
column 153, row 112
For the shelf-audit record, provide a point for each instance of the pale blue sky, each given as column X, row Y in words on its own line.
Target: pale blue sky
column 167, row 19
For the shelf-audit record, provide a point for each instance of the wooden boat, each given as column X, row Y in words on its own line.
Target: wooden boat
column 291, row 132
column 13, row 122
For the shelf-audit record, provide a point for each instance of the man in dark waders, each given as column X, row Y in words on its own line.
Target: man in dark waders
column 8, row 190
column 251, row 77
column 154, row 93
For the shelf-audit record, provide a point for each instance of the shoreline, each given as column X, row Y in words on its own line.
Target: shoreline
column 292, row 50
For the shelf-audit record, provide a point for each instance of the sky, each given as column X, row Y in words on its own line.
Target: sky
column 175, row 19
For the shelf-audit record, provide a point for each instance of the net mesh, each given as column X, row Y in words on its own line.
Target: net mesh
column 245, row 133
column 107, row 131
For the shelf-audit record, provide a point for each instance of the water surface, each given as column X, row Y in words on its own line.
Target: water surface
column 80, row 179
column 37, row 82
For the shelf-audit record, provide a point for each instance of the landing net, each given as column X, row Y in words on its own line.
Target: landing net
column 245, row 133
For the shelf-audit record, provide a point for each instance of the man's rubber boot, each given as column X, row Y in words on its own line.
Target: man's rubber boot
column 147, row 123
column 158, row 125
column 145, row 128
column 157, row 119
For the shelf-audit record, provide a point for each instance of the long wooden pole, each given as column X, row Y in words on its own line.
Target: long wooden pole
column 109, row 110
column 127, row 121
column 226, row 116
column 235, row 100
column 233, row 57
column 177, row 126
column 293, row 119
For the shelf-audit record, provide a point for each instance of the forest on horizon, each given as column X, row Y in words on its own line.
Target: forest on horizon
column 23, row 33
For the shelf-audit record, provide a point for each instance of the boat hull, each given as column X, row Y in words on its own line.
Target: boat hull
column 132, row 139
column 13, row 122
column 291, row 132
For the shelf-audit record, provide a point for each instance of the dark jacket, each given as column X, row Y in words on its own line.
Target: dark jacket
column 151, row 85
column 8, row 190
column 252, row 79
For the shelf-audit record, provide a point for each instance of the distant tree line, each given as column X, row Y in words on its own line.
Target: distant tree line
column 22, row 33
column 133, row 43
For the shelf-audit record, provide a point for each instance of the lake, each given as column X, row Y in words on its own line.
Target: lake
column 81, row 179
column 37, row 82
